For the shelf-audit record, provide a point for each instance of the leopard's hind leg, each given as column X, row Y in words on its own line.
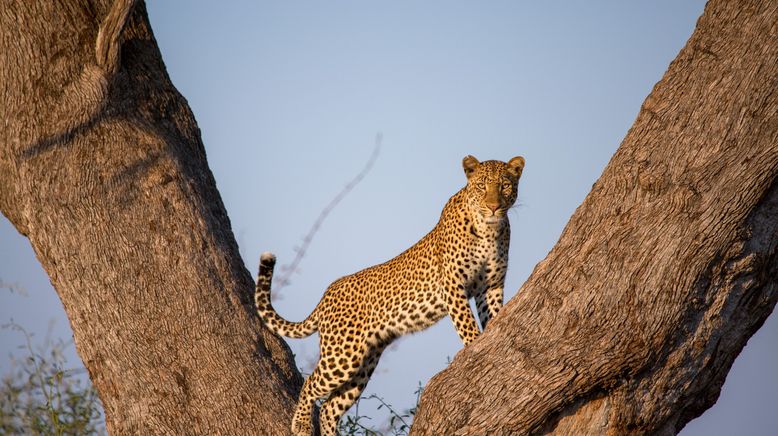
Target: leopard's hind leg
column 315, row 387
column 345, row 396
column 338, row 364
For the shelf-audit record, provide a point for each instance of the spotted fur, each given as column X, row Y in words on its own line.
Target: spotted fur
column 464, row 256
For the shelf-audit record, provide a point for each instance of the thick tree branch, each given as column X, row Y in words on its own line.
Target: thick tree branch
column 107, row 176
column 662, row 274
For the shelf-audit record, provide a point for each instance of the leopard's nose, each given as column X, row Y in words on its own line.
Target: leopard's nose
column 493, row 206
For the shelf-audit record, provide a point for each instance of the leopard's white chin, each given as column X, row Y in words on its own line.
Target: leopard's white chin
column 492, row 220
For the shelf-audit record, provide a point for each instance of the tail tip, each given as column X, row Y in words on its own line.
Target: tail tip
column 267, row 259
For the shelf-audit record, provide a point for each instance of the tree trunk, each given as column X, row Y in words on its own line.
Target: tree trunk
column 632, row 322
column 103, row 169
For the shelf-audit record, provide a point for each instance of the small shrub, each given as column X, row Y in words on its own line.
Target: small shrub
column 39, row 396
column 397, row 423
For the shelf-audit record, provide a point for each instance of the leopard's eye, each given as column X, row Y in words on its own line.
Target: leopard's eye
column 480, row 185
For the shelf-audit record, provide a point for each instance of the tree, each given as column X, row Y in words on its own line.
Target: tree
column 633, row 320
column 629, row 325
column 103, row 169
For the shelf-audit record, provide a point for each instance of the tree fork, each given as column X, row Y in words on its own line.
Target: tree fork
column 629, row 325
column 633, row 320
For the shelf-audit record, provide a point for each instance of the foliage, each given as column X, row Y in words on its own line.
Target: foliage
column 39, row 396
column 397, row 424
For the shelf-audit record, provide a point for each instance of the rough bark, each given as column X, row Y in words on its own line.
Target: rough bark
column 632, row 322
column 103, row 169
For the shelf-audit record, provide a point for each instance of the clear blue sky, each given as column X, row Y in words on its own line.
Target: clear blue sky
column 290, row 95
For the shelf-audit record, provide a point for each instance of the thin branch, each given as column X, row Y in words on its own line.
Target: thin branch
column 15, row 288
column 288, row 270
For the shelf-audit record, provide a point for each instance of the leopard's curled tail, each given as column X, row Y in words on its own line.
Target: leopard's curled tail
column 270, row 317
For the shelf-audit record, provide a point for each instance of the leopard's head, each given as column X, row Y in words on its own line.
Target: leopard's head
column 492, row 187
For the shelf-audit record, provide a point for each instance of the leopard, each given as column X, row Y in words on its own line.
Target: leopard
column 464, row 256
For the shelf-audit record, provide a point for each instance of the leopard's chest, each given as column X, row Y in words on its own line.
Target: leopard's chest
column 486, row 245
column 479, row 255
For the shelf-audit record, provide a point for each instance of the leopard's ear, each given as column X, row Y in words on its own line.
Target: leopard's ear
column 469, row 163
column 517, row 165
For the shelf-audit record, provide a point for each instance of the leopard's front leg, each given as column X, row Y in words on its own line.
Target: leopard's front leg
column 459, row 308
column 490, row 301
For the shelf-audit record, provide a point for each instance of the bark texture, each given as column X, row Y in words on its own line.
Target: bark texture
column 632, row 322
column 103, row 169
